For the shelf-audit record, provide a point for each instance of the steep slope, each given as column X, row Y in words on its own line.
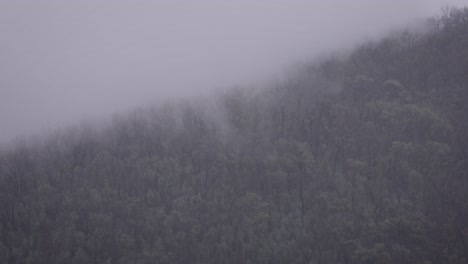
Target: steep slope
column 352, row 160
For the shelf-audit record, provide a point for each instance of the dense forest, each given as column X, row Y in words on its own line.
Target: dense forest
column 351, row 159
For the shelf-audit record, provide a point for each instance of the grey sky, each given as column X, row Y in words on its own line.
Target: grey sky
column 62, row 61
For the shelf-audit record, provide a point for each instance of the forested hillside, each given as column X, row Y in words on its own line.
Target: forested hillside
column 356, row 159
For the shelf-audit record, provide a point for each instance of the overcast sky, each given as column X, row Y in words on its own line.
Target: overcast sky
column 64, row 61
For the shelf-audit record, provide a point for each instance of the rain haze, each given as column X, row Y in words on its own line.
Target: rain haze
column 64, row 61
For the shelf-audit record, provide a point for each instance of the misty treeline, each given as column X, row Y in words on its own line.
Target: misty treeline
column 356, row 159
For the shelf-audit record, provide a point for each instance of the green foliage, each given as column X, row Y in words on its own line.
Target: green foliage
column 357, row 160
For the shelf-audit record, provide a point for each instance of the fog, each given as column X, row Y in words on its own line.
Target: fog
column 65, row 61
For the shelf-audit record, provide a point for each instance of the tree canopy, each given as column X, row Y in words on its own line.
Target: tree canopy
column 357, row 159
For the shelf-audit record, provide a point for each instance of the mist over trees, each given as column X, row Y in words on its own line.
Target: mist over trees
column 357, row 159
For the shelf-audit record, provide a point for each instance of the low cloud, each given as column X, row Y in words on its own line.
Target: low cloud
column 64, row 61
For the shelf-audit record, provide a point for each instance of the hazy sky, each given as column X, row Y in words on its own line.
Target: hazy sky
column 62, row 61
